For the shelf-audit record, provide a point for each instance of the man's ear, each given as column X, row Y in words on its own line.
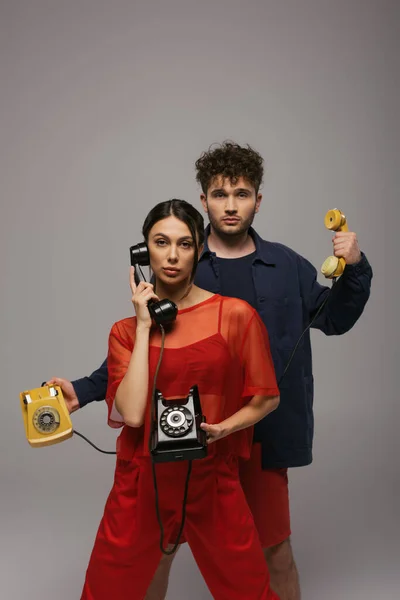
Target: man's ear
column 203, row 200
column 258, row 202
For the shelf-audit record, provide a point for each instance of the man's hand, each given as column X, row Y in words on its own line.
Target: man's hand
column 68, row 391
column 214, row 432
column 345, row 245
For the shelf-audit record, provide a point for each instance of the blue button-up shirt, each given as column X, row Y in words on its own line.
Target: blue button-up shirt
column 287, row 298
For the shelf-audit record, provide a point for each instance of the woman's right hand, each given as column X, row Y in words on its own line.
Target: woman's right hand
column 141, row 295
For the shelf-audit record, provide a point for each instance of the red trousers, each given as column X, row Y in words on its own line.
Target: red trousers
column 219, row 528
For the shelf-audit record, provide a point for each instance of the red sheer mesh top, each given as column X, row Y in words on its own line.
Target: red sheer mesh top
column 221, row 345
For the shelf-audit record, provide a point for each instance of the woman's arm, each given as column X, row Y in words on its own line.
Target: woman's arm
column 258, row 408
column 260, row 393
column 131, row 395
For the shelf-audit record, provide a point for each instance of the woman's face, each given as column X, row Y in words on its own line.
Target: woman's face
column 172, row 249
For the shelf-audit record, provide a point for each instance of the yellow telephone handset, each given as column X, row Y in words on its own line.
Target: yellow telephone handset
column 334, row 266
column 46, row 417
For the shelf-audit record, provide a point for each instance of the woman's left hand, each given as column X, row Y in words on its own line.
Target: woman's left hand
column 214, row 432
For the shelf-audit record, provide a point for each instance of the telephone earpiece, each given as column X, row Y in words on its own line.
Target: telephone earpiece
column 46, row 417
column 162, row 312
column 333, row 266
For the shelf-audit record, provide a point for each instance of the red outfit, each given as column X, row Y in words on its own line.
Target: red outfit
column 222, row 346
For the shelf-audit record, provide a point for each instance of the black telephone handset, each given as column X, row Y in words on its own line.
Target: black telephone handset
column 162, row 312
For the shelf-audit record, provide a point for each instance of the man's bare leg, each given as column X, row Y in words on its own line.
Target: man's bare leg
column 283, row 571
column 157, row 590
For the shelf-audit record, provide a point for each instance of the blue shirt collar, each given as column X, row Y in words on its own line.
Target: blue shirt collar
column 264, row 250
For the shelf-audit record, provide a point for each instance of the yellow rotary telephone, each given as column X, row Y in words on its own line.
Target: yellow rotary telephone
column 46, row 417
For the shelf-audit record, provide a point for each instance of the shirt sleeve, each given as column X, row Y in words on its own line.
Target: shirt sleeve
column 92, row 388
column 120, row 348
column 256, row 358
column 346, row 299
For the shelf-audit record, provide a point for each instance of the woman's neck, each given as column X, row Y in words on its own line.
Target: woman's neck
column 185, row 295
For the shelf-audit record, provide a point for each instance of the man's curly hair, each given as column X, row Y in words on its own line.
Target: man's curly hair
column 229, row 160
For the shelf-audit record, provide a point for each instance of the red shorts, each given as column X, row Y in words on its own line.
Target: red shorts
column 267, row 494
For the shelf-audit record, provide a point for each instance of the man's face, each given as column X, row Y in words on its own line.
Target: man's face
column 230, row 208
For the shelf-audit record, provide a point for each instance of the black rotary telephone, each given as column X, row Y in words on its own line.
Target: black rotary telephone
column 162, row 312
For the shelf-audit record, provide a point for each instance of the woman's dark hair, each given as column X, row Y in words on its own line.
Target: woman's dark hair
column 183, row 211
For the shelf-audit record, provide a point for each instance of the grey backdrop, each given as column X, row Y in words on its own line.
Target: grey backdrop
column 105, row 107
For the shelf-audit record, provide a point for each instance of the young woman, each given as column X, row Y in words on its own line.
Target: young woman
column 220, row 345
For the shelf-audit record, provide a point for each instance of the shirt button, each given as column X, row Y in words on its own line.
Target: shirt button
column 261, row 299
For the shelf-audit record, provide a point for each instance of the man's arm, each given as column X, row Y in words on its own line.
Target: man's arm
column 346, row 299
column 92, row 388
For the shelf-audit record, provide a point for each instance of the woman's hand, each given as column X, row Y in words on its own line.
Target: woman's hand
column 141, row 295
column 214, row 432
